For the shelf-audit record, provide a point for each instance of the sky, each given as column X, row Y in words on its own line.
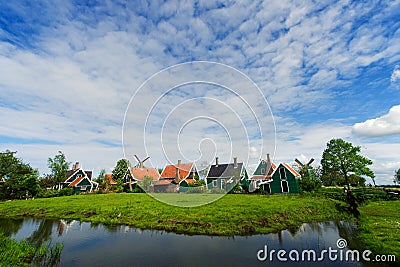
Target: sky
column 191, row 80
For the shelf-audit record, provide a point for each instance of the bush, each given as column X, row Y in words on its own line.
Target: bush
column 310, row 184
column 43, row 193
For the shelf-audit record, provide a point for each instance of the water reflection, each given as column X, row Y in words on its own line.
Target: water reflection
column 87, row 244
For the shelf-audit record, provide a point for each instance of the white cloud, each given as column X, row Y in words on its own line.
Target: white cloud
column 387, row 124
column 73, row 86
column 395, row 74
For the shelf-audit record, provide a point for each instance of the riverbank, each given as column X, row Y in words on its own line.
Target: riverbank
column 379, row 227
column 20, row 253
column 230, row 215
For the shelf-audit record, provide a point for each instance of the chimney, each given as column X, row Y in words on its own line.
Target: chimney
column 216, row 161
column 75, row 166
column 177, row 178
column 235, row 162
column 269, row 165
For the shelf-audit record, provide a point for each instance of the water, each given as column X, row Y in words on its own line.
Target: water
column 87, row 244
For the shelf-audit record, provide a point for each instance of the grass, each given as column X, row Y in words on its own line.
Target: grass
column 380, row 227
column 230, row 215
column 14, row 253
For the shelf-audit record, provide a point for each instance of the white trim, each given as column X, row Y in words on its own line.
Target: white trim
column 280, row 175
column 287, row 183
column 214, row 183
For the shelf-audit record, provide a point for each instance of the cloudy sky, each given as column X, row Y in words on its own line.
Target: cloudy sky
column 72, row 72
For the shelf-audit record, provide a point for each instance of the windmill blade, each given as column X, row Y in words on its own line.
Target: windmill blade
column 299, row 162
column 145, row 159
column 311, row 161
column 138, row 160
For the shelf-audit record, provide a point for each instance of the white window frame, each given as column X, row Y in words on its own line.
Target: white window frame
column 287, row 185
column 280, row 175
column 214, row 183
column 262, row 170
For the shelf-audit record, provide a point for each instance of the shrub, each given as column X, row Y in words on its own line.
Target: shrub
column 310, row 184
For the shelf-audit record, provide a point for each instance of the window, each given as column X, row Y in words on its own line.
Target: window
column 214, row 183
column 282, row 173
column 267, row 188
column 262, row 170
column 223, row 182
column 285, row 187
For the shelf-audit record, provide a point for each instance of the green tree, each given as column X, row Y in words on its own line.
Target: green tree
column 121, row 172
column 101, row 177
column 309, row 181
column 20, row 179
column 341, row 158
column 58, row 166
column 396, row 179
column 46, row 181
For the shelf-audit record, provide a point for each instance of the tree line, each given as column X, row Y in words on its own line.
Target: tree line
column 341, row 165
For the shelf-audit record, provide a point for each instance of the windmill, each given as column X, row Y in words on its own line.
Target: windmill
column 140, row 162
column 306, row 167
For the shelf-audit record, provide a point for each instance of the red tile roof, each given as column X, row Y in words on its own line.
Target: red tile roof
column 109, row 179
column 291, row 169
column 140, row 173
column 76, row 181
column 170, row 170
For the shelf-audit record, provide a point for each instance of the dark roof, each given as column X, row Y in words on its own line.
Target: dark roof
column 71, row 172
column 225, row 170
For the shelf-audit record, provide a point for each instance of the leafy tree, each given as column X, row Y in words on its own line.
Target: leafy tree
column 396, row 179
column 340, row 159
column 47, row 181
column 309, row 181
column 120, row 173
column 101, row 177
column 8, row 164
column 120, row 170
column 20, row 179
column 58, row 166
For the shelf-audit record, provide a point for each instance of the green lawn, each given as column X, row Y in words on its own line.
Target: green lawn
column 230, row 215
column 379, row 222
column 380, row 227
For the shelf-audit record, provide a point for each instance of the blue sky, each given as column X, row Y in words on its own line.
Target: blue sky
column 327, row 69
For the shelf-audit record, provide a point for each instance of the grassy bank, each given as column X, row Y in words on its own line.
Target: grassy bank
column 380, row 227
column 231, row 215
column 14, row 253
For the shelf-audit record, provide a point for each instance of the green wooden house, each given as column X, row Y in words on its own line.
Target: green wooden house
column 226, row 176
column 280, row 178
column 285, row 180
column 79, row 179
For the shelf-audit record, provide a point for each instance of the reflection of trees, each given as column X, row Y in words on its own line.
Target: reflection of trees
column 349, row 232
column 10, row 227
column 112, row 228
column 42, row 234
